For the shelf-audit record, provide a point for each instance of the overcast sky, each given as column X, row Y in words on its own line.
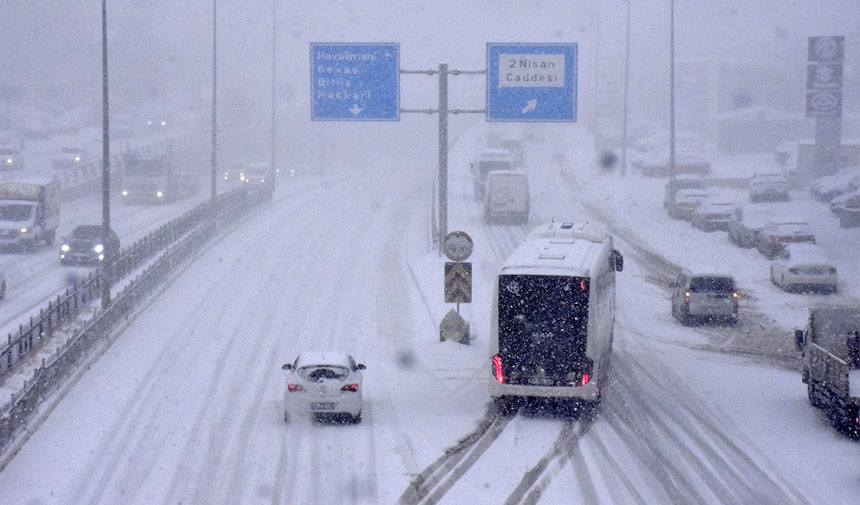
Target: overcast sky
column 161, row 50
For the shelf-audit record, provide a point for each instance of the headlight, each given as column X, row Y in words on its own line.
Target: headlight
column 77, row 158
column 24, row 229
column 65, row 248
column 159, row 194
column 9, row 161
column 125, row 192
column 99, row 248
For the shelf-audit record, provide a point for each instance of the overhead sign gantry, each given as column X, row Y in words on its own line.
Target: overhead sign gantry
column 355, row 81
column 531, row 82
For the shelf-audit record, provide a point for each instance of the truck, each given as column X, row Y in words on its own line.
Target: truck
column 29, row 213
column 487, row 161
column 507, row 197
column 830, row 347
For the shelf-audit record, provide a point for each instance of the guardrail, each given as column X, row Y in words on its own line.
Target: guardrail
column 68, row 305
column 178, row 239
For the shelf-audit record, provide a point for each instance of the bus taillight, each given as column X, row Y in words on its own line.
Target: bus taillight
column 497, row 369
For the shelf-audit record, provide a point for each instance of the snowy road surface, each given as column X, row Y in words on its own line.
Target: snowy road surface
column 185, row 407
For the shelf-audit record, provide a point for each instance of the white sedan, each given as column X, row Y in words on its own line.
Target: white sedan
column 325, row 384
column 803, row 266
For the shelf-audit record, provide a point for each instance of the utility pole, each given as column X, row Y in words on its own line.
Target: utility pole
column 672, row 105
column 109, row 256
column 626, row 79
column 214, row 194
column 443, row 151
column 274, row 82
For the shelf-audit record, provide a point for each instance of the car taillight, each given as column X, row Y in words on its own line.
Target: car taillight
column 585, row 379
column 687, row 297
column 350, row 387
column 295, row 387
column 497, row 369
column 735, row 297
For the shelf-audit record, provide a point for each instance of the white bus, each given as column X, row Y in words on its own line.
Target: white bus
column 553, row 316
column 162, row 177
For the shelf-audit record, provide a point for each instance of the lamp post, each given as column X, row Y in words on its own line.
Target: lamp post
column 109, row 255
column 274, row 83
column 214, row 195
column 626, row 78
column 672, row 105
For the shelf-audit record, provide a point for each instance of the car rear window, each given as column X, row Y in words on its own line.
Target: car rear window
column 321, row 373
column 711, row 284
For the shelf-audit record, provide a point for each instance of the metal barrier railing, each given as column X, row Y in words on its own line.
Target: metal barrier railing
column 178, row 239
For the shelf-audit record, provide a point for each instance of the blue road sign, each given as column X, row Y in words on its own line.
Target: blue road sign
column 355, row 82
column 531, row 82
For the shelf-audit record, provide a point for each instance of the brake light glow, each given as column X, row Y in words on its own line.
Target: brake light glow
column 497, row 369
column 582, row 285
column 350, row 387
column 585, row 379
column 687, row 297
column 295, row 387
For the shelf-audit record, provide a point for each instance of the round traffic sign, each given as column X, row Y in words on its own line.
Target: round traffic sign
column 457, row 245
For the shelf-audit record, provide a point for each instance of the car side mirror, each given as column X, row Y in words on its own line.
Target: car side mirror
column 799, row 340
column 360, row 366
column 287, row 366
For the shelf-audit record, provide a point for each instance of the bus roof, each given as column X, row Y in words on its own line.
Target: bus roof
column 554, row 256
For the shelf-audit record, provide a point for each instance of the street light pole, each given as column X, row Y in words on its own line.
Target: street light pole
column 626, row 79
column 274, row 83
column 214, row 195
column 672, row 105
column 109, row 255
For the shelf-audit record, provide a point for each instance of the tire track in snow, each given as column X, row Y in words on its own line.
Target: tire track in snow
column 435, row 480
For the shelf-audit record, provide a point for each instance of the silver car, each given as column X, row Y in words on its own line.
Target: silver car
column 325, row 385
column 803, row 267
column 704, row 298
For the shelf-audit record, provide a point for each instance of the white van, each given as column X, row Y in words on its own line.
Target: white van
column 507, row 197
column 487, row 161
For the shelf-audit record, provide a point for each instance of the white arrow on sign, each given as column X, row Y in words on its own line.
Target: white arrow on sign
column 356, row 110
column 530, row 106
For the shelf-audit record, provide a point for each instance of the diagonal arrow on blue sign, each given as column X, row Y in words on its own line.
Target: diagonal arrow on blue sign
column 531, row 82
column 355, row 82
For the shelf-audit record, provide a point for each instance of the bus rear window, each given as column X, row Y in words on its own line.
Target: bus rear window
column 543, row 322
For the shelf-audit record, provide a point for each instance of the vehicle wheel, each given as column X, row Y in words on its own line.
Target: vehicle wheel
column 356, row 419
column 733, row 319
column 686, row 318
column 503, row 405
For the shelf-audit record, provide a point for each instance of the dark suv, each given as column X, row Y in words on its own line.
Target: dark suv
column 88, row 245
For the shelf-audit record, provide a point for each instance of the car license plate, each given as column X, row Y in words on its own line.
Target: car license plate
column 322, row 406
